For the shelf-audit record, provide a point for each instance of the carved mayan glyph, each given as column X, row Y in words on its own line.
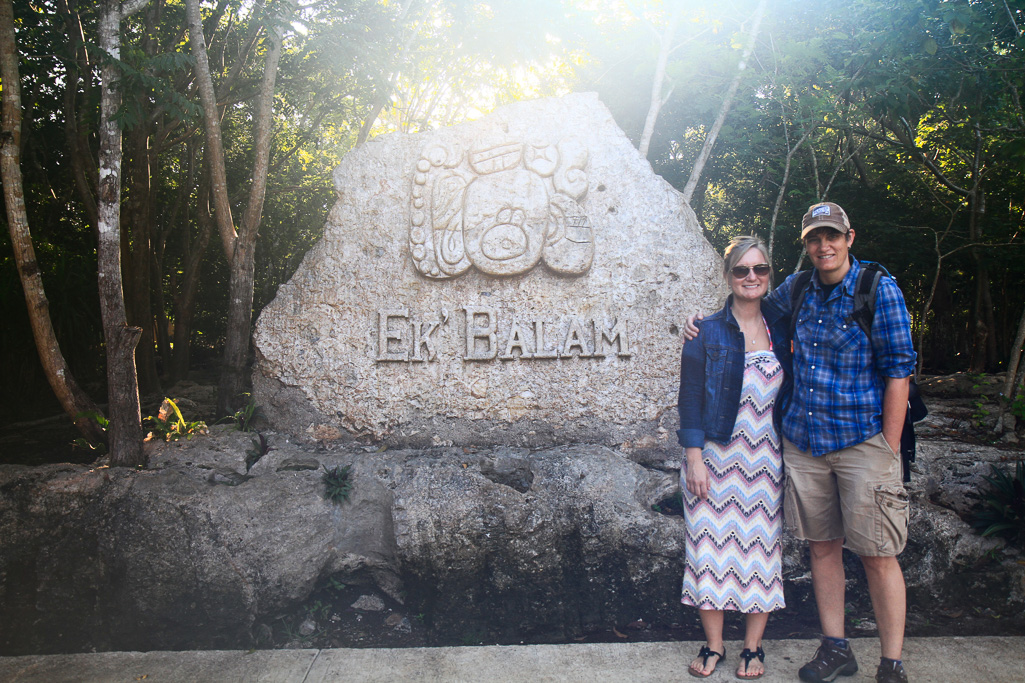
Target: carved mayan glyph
column 520, row 279
column 500, row 208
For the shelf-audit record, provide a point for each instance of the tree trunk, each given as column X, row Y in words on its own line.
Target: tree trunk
column 980, row 332
column 783, row 188
column 984, row 354
column 75, row 132
column 727, row 104
column 185, row 292
column 243, row 261
column 71, row 397
column 657, row 98
column 212, row 126
column 239, row 249
column 125, row 430
column 1010, row 381
column 139, row 235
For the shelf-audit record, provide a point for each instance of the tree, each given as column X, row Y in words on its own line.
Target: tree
column 239, row 247
column 727, row 103
column 125, row 431
column 76, row 403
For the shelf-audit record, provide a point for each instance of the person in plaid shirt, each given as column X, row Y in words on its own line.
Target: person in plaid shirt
column 841, row 446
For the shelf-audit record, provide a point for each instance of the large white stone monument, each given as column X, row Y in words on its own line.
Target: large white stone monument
column 520, row 279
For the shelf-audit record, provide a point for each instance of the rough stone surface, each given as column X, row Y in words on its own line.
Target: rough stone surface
column 544, row 544
column 369, row 603
column 516, row 280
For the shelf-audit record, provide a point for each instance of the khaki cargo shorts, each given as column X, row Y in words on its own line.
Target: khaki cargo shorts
column 855, row 493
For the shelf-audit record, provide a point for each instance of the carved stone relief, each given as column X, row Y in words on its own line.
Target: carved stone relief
column 502, row 208
column 519, row 279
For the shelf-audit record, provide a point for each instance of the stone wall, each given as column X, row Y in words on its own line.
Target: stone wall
column 200, row 549
column 516, row 280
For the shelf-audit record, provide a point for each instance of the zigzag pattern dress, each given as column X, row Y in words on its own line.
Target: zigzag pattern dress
column 734, row 557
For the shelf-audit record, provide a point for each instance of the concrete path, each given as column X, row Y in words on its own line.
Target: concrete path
column 939, row 660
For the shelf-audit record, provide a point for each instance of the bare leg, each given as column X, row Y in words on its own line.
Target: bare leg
column 754, row 629
column 889, row 602
column 827, row 578
column 711, row 622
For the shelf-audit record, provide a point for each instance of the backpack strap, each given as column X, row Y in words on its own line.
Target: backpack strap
column 865, row 296
column 801, row 283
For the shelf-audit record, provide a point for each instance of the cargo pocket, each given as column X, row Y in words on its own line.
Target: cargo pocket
column 891, row 518
column 791, row 519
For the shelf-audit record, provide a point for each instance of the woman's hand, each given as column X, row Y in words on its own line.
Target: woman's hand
column 690, row 329
column 697, row 477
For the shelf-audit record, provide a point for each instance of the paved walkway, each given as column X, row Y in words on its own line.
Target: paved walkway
column 933, row 660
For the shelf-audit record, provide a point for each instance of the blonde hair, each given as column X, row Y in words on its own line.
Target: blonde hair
column 739, row 246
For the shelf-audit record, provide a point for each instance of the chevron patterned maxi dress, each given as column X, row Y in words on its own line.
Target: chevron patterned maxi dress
column 733, row 536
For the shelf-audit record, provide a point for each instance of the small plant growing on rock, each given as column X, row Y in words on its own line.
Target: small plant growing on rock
column 169, row 425
column 245, row 415
column 337, row 483
column 673, row 505
column 1003, row 505
column 260, row 448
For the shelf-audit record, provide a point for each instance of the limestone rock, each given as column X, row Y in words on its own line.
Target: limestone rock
column 368, row 603
column 546, row 544
column 516, row 280
column 950, row 474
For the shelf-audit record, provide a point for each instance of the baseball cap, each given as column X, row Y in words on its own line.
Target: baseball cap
column 825, row 215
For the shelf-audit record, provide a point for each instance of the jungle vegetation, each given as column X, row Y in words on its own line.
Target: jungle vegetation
column 222, row 120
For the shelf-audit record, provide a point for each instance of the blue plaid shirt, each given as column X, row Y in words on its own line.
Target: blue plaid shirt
column 838, row 372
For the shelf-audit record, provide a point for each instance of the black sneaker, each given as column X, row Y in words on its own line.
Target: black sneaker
column 830, row 661
column 890, row 671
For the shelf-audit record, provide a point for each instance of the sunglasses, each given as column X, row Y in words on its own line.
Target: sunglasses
column 740, row 272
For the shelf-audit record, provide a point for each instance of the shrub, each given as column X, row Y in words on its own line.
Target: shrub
column 245, row 415
column 169, row 425
column 1003, row 505
column 337, row 484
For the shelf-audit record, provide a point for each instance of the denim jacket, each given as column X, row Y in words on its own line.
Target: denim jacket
column 712, row 374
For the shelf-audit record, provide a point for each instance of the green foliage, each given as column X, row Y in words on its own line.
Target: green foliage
column 102, row 422
column 868, row 81
column 1003, row 505
column 260, row 448
column 981, row 411
column 672, row 505
column 144, row 77
column 245, row 415
column 292, row 633
column 317, row 610
column 337, row 484
column 1017, row 407
column 170, row 425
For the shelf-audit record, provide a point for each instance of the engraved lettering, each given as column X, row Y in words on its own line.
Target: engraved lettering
column 486, row 331
column 539, row 342
column 405, row 337
column 517, row 340
column 617, row 335
column 422, row 340
column 574, row 340
column 385, row 335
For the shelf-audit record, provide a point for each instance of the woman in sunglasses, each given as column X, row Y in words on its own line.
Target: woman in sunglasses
column 734, row 378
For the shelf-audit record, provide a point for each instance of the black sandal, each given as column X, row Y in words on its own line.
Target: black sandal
column 747, row 656
column 705, row 653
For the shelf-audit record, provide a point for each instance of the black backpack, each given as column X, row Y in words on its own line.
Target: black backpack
column 864, row 313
